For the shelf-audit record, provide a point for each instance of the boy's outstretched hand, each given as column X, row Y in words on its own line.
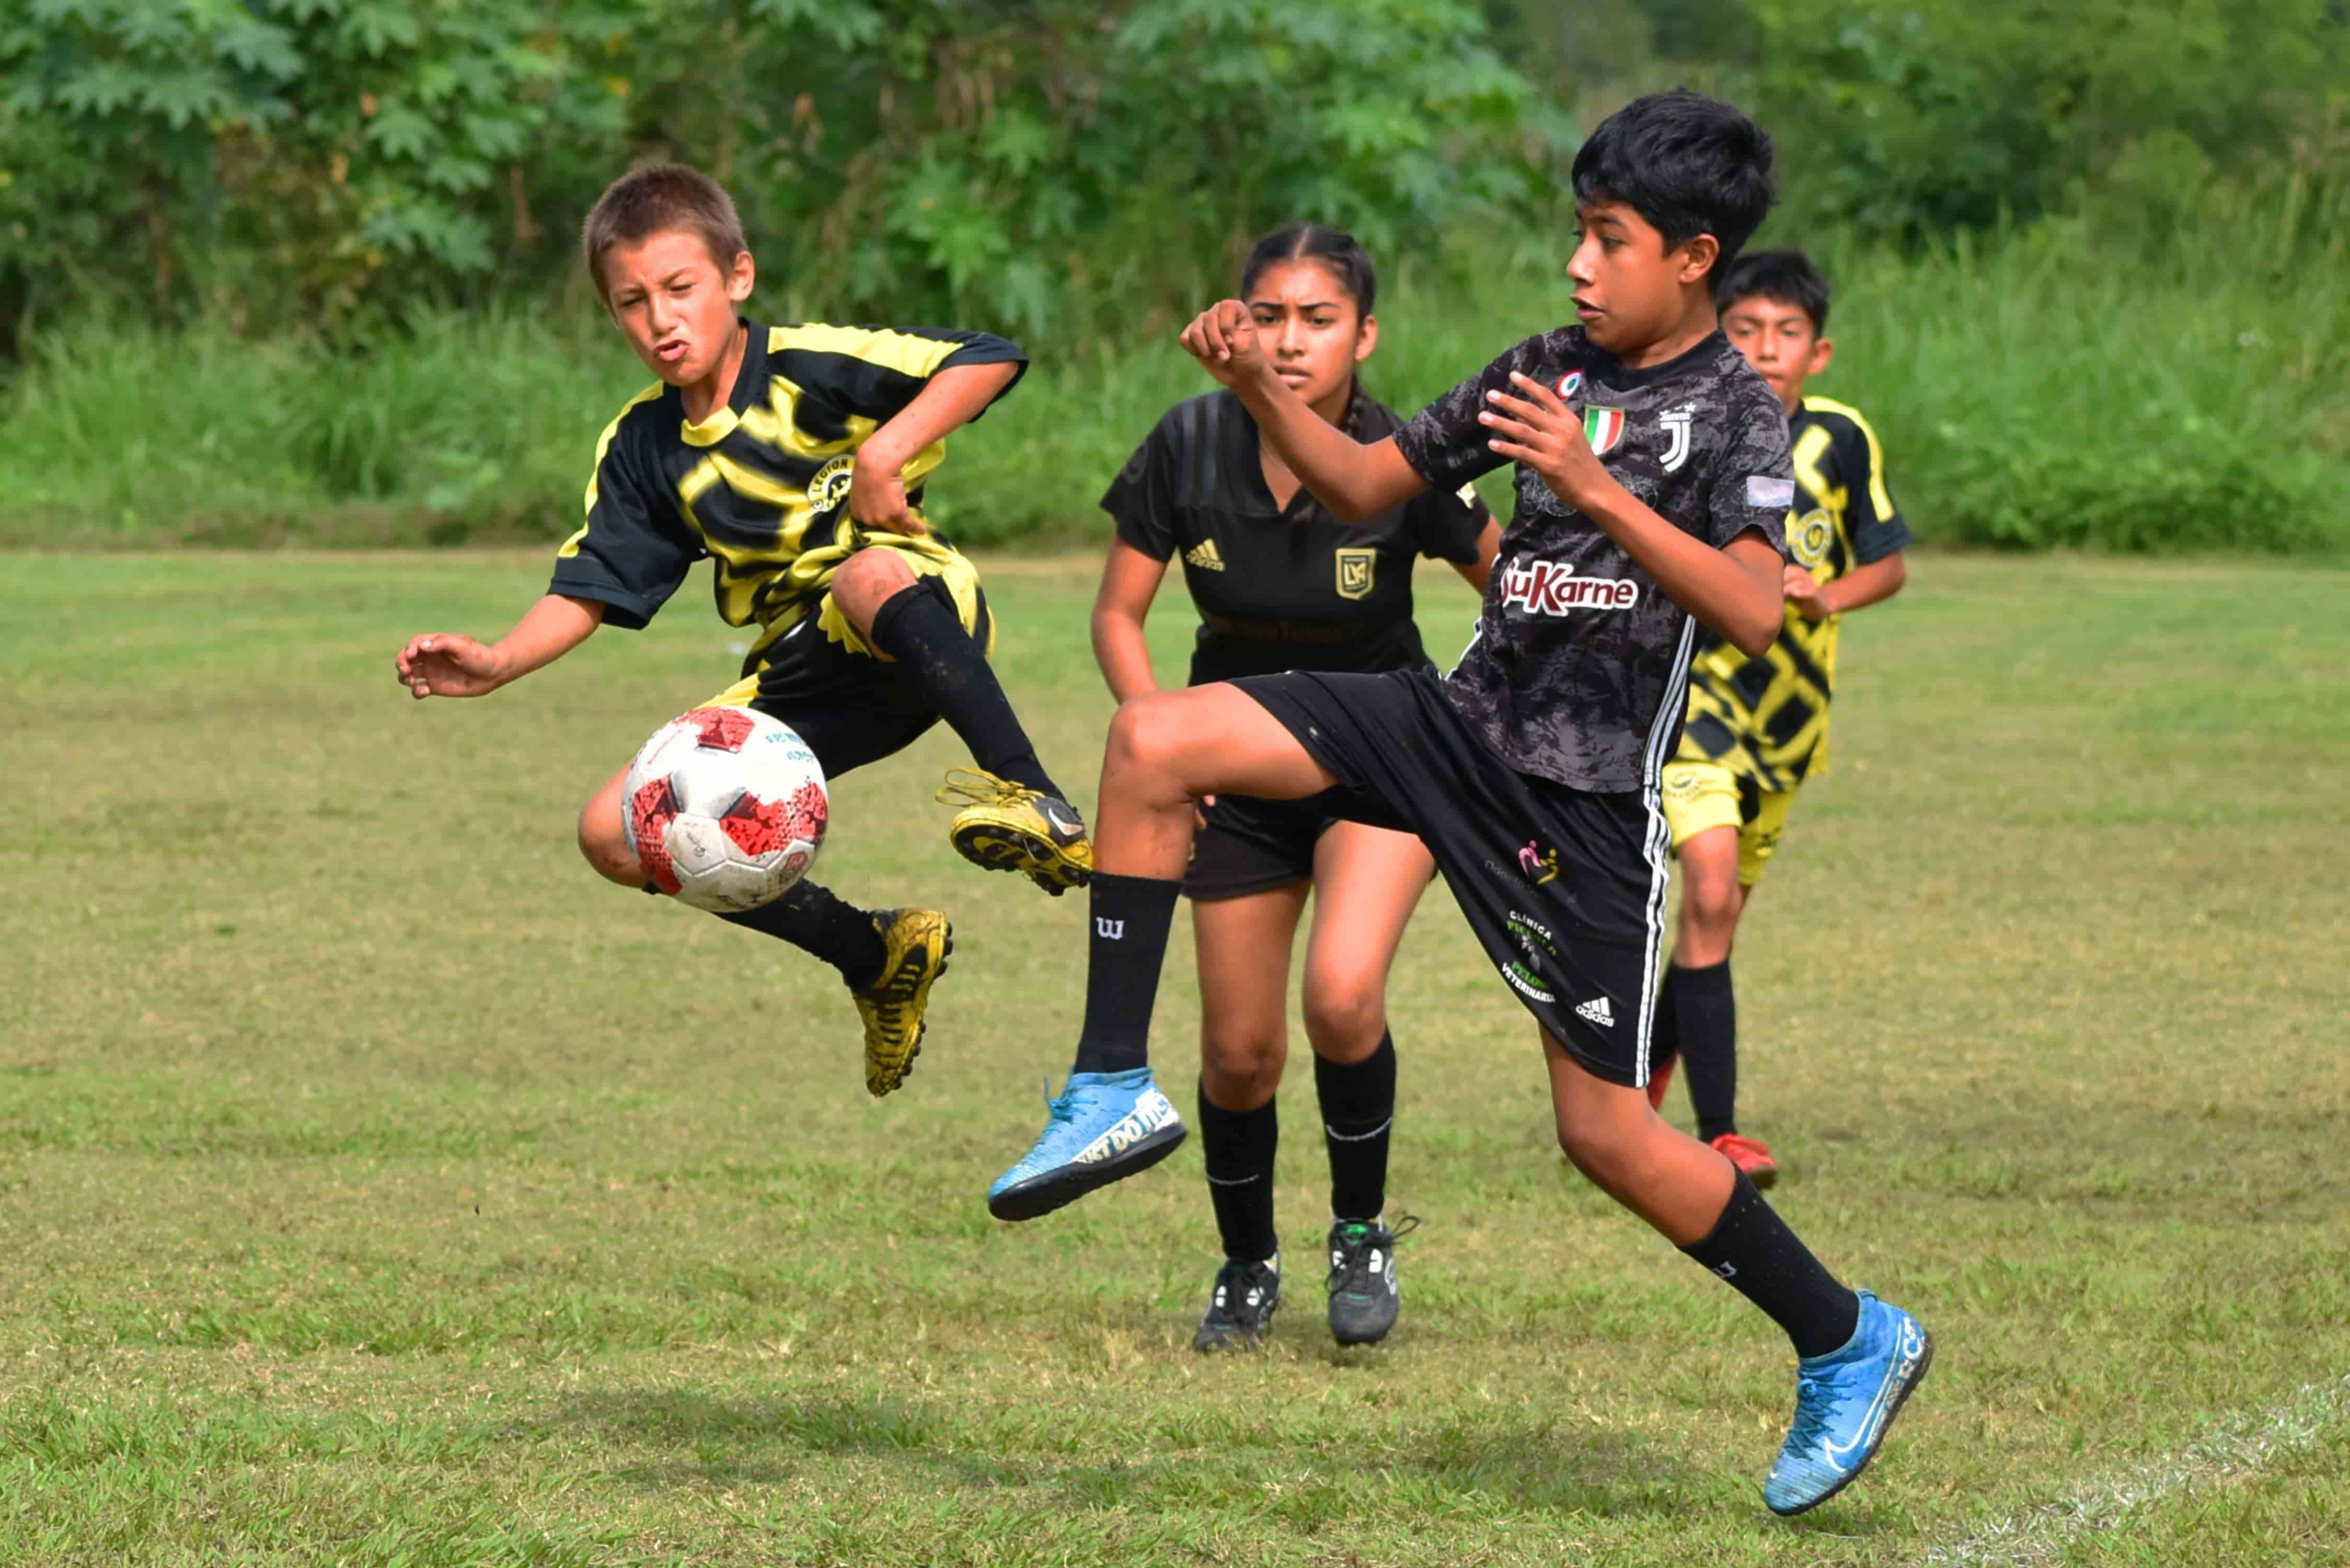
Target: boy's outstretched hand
column 445, row 664
column 1537, row 428
column 1222, row 338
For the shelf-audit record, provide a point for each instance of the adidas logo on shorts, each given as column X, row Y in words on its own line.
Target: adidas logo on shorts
column 1597, row 1011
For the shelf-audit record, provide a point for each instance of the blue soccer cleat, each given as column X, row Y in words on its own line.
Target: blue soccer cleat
column 1103, row 1128
column 1845, row 1401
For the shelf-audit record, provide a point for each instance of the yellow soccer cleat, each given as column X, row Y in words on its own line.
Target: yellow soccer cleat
column 1004, row 826
column 918, row 941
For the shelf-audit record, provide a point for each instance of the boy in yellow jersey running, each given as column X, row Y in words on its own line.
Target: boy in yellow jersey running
column 1758, row 727
column 794, row 458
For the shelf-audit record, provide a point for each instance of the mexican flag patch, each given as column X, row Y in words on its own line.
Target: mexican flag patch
column 1603, row 427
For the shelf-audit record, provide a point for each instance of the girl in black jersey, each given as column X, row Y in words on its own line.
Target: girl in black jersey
column 1281, row 584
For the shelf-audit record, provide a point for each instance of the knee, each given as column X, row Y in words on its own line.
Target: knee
column 1345, row 1013
column 1242, row 1067
column 1597, row 1148
column 1147, row 741
column 1710, row 908
column 605, row 846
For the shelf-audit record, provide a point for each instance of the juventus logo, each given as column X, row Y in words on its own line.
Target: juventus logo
column 1109, row 930
column 1677, row 433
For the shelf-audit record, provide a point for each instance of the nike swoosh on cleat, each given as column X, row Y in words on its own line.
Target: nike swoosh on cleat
column 1127, row 1130
column 1912, row 1344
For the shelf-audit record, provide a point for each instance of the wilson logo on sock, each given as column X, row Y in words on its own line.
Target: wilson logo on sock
column 1109, row 930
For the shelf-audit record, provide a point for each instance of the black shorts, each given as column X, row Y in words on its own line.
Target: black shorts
column 1564, row 888
column 850, row 707
column 1252, row 845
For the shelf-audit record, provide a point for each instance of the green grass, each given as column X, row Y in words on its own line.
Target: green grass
column 380, row 1188
column 2049, row 389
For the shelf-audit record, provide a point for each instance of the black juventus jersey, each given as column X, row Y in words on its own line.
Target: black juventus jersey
column 1767, row 718
column 1579, row 671
column 761, row 485
column 1278, row 587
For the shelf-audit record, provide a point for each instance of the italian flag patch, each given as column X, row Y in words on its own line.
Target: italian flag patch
column 1603, row 427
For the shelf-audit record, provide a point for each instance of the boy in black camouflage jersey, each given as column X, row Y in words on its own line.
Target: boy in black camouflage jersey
column 1653, row 479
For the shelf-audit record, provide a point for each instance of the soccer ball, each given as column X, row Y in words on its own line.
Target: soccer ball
column 725, row 808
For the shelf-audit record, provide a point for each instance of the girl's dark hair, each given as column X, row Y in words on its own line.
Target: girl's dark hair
column 1340, row 251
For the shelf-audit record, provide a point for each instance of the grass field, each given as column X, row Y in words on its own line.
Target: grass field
column 378, row 1187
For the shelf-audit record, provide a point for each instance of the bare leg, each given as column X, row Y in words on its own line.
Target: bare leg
column 1243, row 1044
column 1661, row 1174
column 1169, row 749
column 1367, row 883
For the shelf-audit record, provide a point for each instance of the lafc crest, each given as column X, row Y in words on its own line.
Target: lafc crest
column 1356, row 568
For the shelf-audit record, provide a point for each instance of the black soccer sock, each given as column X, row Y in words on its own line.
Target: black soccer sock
column 1768, row 1264
column 1705, row 1016
column 1128, row 948
column 920, row 627
column 810, row 918
column 1357, row 1112
column 1240, row 1149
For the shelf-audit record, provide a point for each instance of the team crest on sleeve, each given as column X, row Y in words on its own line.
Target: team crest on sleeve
column 1356, row 568
column 830, row 486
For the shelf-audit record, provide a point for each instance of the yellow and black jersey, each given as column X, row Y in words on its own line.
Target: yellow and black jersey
column 762, row 485
column 1767, row 718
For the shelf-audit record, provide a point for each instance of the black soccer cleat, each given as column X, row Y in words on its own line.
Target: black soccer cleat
column 1364, row 1299
column 1242, row 1307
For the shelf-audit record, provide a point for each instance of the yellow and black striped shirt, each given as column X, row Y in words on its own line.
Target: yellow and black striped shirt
column 762, row 485
column 1767, row 719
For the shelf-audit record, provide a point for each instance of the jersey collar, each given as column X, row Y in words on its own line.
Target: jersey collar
column 750, row 387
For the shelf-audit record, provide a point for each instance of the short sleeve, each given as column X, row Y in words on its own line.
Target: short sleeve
column 1874, row 522
column 1752, row 484
column 1141, row 499
column 634, row 550
column 876, row 371
column 1446, row 523
column 1444, row 443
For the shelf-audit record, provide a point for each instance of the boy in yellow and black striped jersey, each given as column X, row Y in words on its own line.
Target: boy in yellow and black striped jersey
column 1758, row 727
column 794, row 458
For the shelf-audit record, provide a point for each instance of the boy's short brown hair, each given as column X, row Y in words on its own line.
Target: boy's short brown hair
column 659, row 196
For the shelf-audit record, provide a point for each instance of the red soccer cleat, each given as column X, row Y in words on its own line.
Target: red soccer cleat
column 1749, row 1155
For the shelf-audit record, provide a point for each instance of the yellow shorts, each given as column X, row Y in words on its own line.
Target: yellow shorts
column 1702, row 796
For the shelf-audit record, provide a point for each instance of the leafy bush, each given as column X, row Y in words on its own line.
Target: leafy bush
column 2030, row 395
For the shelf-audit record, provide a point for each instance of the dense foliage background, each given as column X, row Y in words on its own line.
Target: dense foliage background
column 289, row 199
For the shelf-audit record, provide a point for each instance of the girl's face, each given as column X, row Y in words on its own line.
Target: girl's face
column 1313, row 331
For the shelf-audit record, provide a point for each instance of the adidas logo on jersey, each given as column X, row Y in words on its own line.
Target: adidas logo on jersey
column 1598, row 1010
column 1203, row 555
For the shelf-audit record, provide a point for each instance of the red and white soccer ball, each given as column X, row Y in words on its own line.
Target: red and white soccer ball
column 725, row 808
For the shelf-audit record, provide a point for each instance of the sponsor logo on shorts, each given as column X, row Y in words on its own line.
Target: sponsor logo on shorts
column 1551, row 588
column 1539, row 865
column 1596, row 1011
column 1536, row 940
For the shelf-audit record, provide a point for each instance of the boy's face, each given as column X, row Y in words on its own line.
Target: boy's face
column 1779, row 340
column 1629, row 289
column 674, row 304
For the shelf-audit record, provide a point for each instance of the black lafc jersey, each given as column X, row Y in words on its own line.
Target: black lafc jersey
column 1283, row 587
column 1580, row 667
